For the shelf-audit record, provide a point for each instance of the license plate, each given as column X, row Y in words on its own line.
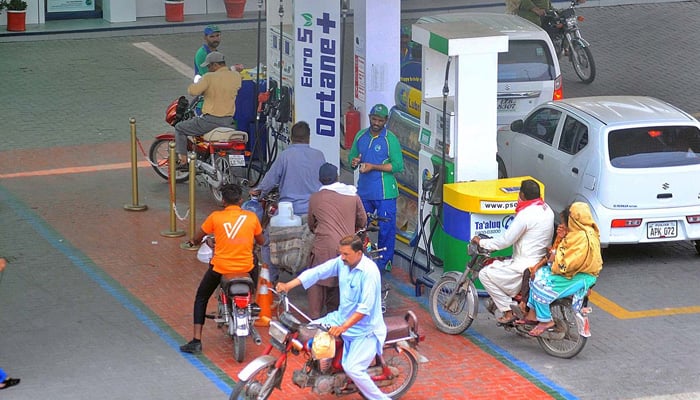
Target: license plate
column 236, row 160
column 507, row 105
column 661, row 230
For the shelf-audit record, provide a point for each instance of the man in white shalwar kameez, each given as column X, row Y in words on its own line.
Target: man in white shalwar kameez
column 530, row 233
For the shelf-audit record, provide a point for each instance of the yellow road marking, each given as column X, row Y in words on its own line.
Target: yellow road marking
column 74, row 170
column 610, row 307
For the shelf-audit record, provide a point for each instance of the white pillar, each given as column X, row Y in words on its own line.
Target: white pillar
column 377, row 46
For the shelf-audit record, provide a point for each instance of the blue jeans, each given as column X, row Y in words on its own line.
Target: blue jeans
column 387, row 229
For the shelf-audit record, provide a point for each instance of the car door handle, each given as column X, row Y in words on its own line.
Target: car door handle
column 540, row 156
column 574, row 170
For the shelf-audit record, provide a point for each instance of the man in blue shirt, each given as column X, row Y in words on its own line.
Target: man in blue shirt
column 295, row 172
column 359, row 319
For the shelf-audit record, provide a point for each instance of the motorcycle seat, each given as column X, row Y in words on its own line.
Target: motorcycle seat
column 237, row 284
column 225, row 135
column 399, row 327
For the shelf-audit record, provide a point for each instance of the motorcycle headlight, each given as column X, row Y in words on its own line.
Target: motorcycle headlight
column 278, row 331
column 571, row 22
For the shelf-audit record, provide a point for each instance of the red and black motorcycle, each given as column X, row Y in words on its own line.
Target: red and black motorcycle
column 394, row 371
column 221, row 155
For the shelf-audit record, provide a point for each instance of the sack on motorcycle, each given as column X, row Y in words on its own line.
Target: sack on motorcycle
column 290, row 246
column 323, row 346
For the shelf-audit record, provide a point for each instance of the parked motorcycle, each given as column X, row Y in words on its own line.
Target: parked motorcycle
column 394, row 372
column 454, row 304
column 222, row 157
column 236, row 310
column 562, row 26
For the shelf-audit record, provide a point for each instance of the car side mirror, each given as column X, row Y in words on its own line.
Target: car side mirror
column 517, row 125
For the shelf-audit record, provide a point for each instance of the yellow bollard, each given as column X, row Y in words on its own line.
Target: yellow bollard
column 172, row 162
column 134, row 206
column 193, row 214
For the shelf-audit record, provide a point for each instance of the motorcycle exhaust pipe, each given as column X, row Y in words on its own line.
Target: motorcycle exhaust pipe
column 256, row 336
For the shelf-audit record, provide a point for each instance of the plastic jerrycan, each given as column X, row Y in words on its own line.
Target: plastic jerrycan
column 285, row 216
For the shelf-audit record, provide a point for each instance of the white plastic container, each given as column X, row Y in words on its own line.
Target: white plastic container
column 285, row 216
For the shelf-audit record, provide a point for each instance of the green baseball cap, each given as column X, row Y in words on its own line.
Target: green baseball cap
column 379, row 110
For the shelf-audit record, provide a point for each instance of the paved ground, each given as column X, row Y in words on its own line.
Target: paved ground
column 95, row 301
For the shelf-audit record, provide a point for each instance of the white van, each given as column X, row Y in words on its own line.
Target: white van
column 528, row 74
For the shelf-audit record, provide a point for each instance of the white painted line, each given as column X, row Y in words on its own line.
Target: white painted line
column 166, row 58
column 676, row 396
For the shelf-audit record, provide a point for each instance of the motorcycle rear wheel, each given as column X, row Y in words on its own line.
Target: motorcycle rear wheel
column 223, row 168
column 456, row 320
column 259, row 386
column 406, row 364
column 585, row 67
column 573, row 342
column 158, row 155
column 239, row 348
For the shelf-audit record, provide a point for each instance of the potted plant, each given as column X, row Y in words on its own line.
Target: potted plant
column 234, row 8
column 16, row 14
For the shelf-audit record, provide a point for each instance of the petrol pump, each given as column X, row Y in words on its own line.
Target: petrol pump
column 458, row 129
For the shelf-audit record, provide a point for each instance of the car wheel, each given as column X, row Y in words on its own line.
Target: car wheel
column 502, row 173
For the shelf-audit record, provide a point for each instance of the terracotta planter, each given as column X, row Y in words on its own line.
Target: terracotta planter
column 16, row 20
column 234, row 8
column 174, row 11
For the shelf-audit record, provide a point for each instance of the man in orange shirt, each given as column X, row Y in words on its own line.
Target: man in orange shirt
column 235, row 231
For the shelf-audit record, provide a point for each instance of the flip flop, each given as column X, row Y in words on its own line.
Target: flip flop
column 540, row 329
column 9, row 382
column 505, row 321
column 524, row 321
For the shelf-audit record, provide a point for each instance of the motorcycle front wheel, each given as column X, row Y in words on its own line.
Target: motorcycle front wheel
column 583, row 63
column 239, row 348
column 158, row 155
column 405, row 365
column 259, row 386
column 456, row 317
column 572, row 343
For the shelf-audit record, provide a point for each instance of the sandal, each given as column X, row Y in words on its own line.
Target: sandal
column 540, row 328
column 9, row 382
column 525, row 321
column 506, row 320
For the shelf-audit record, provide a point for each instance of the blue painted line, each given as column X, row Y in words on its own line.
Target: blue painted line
column 78, row 259
column 408, row 290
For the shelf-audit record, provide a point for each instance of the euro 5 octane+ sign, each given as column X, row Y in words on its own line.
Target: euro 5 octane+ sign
column 317, row 78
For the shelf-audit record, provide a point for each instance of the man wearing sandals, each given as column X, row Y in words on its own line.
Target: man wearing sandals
column 530, row 233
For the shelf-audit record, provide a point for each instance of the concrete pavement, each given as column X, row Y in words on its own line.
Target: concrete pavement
column 95, row 302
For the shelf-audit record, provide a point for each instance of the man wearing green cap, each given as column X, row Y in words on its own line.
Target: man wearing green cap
column 376, row 153
column 212, row 39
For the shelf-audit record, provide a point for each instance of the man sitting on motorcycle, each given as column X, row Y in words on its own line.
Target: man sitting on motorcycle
column 359, row 317
column 530, row 233
column 573, row 268
column 219, row 87
column 236, row 232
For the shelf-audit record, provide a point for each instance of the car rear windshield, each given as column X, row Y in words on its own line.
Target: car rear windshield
column 526, row 60
column 654, row 147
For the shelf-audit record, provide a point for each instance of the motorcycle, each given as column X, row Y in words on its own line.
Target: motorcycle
column 562, row 26
column 236, row 310
column 454, row 304
column 394, row 372
column 221, row 155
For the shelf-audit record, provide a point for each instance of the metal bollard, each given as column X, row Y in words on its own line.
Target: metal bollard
column 193, row 214
column 134, row 206
column 172, row 162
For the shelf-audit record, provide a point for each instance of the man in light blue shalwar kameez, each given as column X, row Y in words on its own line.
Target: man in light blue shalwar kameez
column 359, row 317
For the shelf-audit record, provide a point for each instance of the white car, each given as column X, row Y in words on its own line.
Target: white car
column 634, row 160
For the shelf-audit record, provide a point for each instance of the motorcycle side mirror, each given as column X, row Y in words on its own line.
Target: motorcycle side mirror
column 517, row 125
column 197, row 78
